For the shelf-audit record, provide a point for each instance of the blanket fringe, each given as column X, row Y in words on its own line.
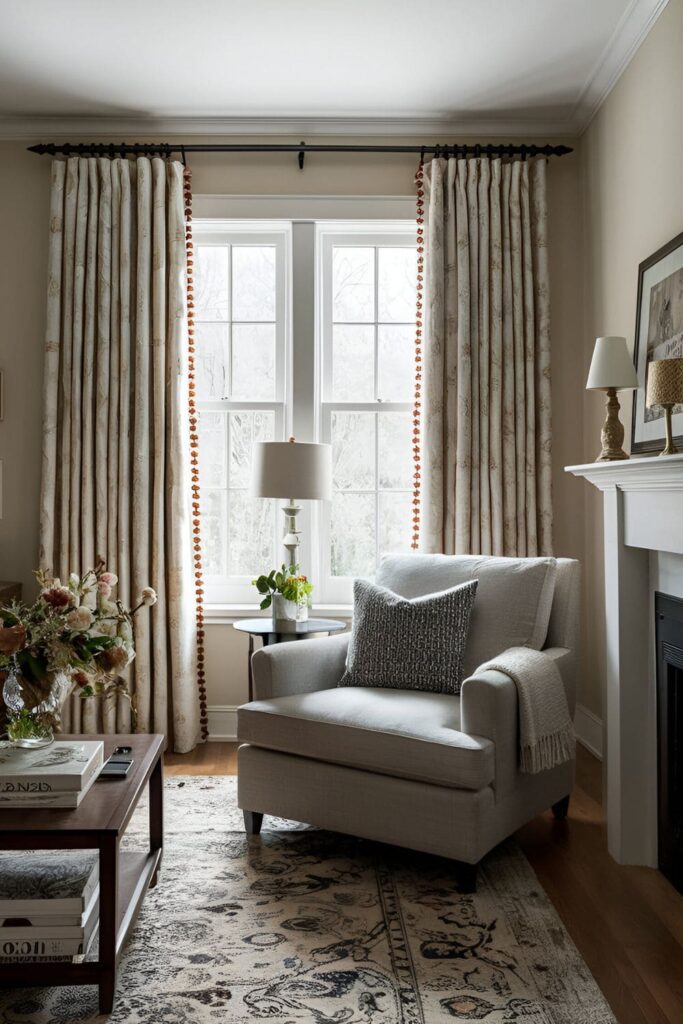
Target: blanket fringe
column 549, row 751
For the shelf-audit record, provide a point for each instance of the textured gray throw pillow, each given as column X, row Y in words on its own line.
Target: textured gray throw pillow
column 407, row 644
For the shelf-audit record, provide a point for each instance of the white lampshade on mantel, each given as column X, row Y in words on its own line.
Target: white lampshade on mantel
column 611, row 366
column 611, row 370
column 292, row 469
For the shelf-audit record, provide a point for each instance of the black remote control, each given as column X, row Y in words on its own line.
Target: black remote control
column 118, row 765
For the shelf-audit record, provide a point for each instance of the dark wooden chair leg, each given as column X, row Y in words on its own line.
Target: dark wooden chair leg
column 561, row 808
column 252, row 822
column 465, row 877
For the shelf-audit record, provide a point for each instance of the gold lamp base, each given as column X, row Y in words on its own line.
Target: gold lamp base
column 670, row 448
column 612, row 434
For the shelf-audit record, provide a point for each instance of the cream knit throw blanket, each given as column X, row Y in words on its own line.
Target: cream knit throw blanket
column 546, row 731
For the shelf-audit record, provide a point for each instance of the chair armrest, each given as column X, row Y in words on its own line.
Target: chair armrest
column 300, row 666
column 488, row 707
column 566, row 663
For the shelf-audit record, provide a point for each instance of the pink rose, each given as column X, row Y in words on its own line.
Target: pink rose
column 110, row 578
column 103, row 588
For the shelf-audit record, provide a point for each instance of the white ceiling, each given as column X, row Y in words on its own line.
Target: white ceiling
column 525, row 64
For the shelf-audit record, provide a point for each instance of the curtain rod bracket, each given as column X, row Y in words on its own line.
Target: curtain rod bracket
column 302, row 155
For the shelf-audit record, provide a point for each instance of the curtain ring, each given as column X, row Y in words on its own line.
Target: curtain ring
column 182, row 153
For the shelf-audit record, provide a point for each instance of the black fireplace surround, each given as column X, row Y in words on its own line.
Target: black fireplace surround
column 669, row 640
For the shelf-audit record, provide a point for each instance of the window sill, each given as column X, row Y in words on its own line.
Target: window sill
column 224, row 614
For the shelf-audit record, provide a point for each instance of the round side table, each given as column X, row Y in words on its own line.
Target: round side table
column 263, row 627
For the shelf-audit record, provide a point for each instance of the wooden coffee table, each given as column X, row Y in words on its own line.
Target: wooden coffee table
column 125, row 876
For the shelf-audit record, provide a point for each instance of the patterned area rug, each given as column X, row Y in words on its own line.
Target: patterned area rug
column 301, row 925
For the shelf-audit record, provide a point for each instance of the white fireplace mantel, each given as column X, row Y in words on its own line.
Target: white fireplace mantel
column 643, row 512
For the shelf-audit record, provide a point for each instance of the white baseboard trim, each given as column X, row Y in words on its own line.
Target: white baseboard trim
column 588, row 730
column 222, row 722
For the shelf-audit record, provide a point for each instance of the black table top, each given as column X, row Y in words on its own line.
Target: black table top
column 265, row 625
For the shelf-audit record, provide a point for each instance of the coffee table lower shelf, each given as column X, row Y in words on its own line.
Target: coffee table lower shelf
column 125, row 875
column 136, row 871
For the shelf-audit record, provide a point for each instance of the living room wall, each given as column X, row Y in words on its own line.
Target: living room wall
column 24, row 195
column 632, row 161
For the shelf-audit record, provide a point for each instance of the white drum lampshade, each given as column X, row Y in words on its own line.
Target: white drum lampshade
column 288, row 469
column 292, row 469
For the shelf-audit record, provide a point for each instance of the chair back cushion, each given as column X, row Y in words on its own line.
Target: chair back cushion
column 416, row 644
column 513, row 602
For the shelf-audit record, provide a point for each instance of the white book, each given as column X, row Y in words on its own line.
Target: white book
column 70, row 925
column 51, row 798
column 30, row 942
column 54, row 882
column 58, row 920
column 65, row 766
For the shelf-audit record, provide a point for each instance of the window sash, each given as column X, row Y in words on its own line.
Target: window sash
column 339, row 589
column 233, row 588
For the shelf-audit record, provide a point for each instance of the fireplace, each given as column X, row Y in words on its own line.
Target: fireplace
column 669, row 639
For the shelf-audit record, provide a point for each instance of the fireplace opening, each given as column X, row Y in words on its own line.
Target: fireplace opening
column 669, row 639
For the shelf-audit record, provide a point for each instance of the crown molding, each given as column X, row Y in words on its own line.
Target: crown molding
column 436, row 127
column 634, row 25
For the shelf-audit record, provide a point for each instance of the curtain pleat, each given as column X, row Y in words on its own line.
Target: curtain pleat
column 116, row 430
column 486, row 442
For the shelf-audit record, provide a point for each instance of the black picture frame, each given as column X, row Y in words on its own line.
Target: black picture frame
column 650, row 445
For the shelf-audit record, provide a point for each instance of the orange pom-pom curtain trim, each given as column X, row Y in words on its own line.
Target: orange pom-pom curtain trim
column 194, row 458
column 417, row 402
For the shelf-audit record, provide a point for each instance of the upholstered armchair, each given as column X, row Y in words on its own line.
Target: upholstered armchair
column 429, row 771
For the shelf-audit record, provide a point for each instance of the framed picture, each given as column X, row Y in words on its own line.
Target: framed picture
column 658, row 335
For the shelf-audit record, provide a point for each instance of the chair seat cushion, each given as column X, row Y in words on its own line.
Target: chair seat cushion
column 411, row 734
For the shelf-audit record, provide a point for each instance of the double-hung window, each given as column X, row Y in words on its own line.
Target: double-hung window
column 352, row 286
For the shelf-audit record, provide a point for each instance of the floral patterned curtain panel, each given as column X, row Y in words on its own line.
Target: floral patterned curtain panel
column 116, row 445
column 485, row 424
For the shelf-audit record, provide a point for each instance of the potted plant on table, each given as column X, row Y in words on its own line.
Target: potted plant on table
column 288, row 593
column 73, row 637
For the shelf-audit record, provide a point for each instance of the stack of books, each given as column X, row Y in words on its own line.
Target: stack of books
column 49, row 905
column 56, row 776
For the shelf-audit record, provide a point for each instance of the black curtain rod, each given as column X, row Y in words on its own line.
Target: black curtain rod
column 123, row 149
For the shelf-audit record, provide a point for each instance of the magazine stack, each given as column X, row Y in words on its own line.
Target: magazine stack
column 49, row 905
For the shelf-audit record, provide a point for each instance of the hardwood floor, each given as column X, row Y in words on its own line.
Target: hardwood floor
column 627, row 922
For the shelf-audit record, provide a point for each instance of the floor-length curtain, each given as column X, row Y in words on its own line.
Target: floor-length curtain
column 485, row 430
column 116, row 441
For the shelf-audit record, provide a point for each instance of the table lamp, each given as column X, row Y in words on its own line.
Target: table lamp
column 665, row 388
column 611, row 370
column 283, row 468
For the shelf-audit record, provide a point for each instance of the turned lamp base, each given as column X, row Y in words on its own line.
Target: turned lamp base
column 670, row 448
column 612, row 434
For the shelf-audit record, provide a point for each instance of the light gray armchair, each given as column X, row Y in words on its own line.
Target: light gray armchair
column 428, row 771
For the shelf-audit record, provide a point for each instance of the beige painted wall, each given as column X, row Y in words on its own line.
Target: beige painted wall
column 632, row 183
column 24, row 188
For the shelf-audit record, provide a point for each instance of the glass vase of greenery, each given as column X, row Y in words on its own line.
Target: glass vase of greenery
column 288, row 593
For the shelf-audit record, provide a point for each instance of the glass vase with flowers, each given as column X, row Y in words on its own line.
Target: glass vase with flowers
column 76, row 637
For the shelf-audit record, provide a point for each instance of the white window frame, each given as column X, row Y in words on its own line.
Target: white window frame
column 231, row 589
column 338, row 590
